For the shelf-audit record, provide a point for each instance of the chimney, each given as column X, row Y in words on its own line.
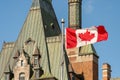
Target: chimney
column 106, row 71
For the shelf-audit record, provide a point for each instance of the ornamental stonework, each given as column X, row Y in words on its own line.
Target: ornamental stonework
column 73, row 1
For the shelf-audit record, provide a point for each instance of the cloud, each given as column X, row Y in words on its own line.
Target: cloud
column 88, row 6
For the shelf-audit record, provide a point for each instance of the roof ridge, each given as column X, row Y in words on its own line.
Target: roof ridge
column 53, row 39
column 8, row 45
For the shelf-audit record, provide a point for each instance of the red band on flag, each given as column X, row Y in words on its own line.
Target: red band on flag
column 71, row 40
column 102, row 33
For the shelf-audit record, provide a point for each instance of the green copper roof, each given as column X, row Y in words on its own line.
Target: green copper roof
column 41, row 30
column 115, row 79
column 47, row 15
column 4, row 57
column 88, row 49
column 47, row 75
column 55, row 55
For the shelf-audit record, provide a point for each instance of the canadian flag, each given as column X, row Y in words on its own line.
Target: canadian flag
column 81, row 37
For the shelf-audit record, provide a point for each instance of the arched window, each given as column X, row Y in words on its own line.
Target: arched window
column 22, row 76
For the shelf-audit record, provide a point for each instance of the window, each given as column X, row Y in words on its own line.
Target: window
column 22, row 76
column 21, row 62
column 52, row 25
column 36, row 60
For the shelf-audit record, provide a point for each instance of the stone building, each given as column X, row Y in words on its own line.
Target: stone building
column 37, row 53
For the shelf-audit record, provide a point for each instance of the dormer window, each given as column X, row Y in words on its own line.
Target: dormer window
column 36, row 57
column 22, row 68
column 36, row 60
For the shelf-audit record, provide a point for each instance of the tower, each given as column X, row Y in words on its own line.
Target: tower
column 74, row 13
column 84, row 60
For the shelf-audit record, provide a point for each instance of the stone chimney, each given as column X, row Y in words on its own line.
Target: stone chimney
column 106, row 71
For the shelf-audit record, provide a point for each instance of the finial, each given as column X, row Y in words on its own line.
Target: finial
column 62, row 20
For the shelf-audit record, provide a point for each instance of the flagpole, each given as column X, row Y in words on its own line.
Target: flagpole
column 62, row 57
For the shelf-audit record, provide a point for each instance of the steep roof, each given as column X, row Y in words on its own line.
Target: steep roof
column 4, row 56
column 55, row 57
column 40, row 29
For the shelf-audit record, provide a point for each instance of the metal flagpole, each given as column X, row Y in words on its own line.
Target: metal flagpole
column 62, row 58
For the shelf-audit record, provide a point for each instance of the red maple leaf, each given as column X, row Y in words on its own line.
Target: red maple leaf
column 87, row 36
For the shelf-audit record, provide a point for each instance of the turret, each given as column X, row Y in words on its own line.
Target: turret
column 74, row 13
column 36, row 64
